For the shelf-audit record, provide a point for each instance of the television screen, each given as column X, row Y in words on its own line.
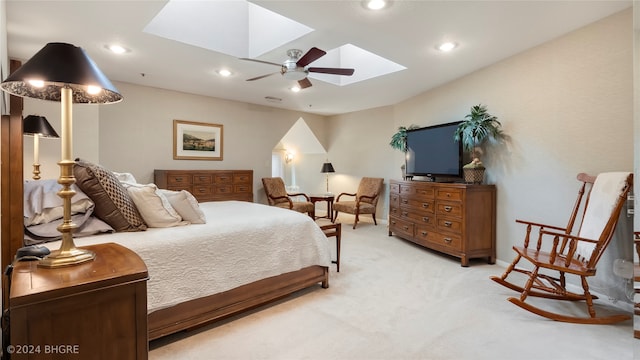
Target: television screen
column 432, row 151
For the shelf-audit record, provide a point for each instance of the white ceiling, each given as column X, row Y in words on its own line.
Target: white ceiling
column 406, row 33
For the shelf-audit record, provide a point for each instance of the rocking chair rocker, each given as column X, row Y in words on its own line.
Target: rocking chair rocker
column 571, row 254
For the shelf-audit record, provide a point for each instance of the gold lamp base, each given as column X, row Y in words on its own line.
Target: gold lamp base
column 36, row 171
column 74, row 256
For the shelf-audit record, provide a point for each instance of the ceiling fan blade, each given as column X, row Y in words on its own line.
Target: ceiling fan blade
column 335, row 71
column 312, row 55
column 263, row 76
column 304, row 83
column 260, row 61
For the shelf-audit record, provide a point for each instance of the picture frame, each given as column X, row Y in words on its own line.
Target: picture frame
column 197, row 140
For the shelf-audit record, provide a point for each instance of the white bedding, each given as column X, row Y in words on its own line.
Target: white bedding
column 241, row 242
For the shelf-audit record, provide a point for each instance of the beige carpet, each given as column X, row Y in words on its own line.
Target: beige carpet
column 395, row 300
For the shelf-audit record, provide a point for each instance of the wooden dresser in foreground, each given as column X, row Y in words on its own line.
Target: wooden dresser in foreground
column 209, row 185
column 94, row 310
column 456, row 219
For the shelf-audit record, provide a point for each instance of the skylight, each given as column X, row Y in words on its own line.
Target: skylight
column 236, row 28
column 245, row 30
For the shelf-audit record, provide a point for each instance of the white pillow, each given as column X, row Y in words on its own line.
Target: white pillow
column 154, row 208
column 186, row 205
column 127, row 178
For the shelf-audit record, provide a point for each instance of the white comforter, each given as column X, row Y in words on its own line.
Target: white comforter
column 241, row 242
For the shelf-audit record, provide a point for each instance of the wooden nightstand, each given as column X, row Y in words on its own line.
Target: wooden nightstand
column 95, row 310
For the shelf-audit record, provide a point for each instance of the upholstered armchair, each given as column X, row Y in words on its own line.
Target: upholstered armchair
column 366, row 199
column 277, row 196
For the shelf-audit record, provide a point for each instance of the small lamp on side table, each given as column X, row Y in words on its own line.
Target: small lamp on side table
column 37, row 126
column 326, row 169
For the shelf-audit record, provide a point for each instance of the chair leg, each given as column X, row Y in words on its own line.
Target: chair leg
column 502, row 280
column 529, row 284
column 374, row 219
column 588, row 297
column 338, row 236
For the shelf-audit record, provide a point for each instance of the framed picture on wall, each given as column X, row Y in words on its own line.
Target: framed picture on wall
column 196, row 140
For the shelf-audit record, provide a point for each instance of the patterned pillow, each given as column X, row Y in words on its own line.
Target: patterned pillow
column 113, row 204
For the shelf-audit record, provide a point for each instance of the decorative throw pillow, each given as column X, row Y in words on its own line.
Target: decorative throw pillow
column 154, row 206
column 186, row 205
column 113, row 204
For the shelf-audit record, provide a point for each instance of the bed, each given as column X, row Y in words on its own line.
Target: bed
column 283, row 251
column 245, row 255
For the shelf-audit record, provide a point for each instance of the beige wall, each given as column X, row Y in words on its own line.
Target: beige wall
column 566, row 104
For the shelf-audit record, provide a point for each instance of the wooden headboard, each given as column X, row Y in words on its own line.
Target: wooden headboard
column 12, row 186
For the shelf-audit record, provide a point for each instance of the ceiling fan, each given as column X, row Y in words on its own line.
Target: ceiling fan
column 295, row 67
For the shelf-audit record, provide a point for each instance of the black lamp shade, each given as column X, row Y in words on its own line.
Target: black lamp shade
column 60, row 65
column 327, row 168
column 34, row 124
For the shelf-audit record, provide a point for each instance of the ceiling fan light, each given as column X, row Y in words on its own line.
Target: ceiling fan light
column 295, row 75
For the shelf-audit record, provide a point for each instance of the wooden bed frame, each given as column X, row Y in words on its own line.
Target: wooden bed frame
column 162, row 322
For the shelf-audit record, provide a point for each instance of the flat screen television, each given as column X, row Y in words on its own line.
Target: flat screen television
column 433, row 152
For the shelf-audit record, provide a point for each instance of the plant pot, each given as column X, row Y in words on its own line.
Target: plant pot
column 473, row 175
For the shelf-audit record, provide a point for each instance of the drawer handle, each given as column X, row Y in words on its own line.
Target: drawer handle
column 393, row 222
column 424, row 233
column 406, row 228
column 448, row 240
column 425, row 205
column 178, row 179
column 405, row 201
column 201, row 190
column 404, row 213
column 447, row 223
column 448, row 194
column 447, row 208
column 202, row 178
column 425, row 219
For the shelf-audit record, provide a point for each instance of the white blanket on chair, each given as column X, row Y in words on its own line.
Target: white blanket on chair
column 604, row 196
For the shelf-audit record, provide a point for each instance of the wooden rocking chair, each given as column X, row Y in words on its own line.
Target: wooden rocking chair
column 571, row 254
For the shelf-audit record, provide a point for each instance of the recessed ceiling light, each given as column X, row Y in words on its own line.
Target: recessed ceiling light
column 295, row 88
column 375, row 4
column 447, row 46
column 117, row 49
column 224, row 72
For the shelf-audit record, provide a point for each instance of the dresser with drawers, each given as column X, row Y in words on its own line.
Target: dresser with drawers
column 455, row 219
column 208, row 185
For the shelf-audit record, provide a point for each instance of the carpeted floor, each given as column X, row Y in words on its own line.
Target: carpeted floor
column 395, row 300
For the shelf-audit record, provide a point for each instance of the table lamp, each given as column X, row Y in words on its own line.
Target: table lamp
column 326, row 169
column 37, row 126
column 65, row 73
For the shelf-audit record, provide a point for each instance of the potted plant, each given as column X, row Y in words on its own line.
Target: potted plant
column 474, row 131
column 399, row 142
